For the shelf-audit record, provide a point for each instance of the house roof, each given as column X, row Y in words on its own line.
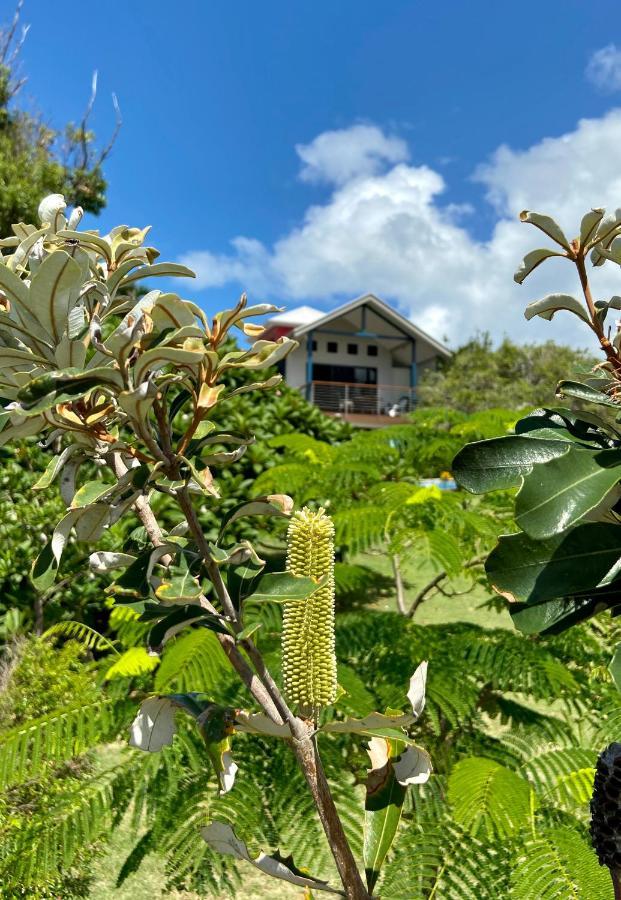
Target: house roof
column 371, row 301
column 300, row 315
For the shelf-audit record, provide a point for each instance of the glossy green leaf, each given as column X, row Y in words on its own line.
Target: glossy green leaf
column 587, row 393
column 280, row 587
column 615, row 667
column 383, row 806
column 181, row 617
column 530, row 571
column 559, row 493
column 556, row 616
column 502, row 462
column 272, row 505
column 91, row 492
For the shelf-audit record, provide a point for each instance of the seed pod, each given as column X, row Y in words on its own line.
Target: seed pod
column 606, row 810
column 308, row 658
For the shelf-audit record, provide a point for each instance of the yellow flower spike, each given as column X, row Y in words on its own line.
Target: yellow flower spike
column 308, row 658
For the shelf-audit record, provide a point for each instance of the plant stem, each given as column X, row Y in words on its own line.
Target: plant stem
column 303, row 742
column 398, row 584
column 616, row 882
column 607, row 347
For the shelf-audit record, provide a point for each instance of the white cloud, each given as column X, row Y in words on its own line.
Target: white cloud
column 338, row 156
column 387, row 231
column 604, row 68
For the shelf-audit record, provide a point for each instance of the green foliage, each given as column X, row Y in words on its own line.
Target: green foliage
column 479, row 376
column 35, row 159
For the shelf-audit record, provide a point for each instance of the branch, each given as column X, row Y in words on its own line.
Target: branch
column 436, row 581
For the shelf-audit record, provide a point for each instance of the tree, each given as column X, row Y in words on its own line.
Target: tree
column 562, row 567
column 124, row 393
column 35, row 159
column 479, row 376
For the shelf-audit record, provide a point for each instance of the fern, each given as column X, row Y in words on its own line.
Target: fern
column 192, row 662
column 489, row 798
column 133, row 662
column 86, row 636
column 77, row 818
column 27, row 750
column 559, row 864
column 443, row 862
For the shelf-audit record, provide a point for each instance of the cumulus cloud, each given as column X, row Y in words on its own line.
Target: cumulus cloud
column 338, row 156
column 386, row 228
column 604, row 68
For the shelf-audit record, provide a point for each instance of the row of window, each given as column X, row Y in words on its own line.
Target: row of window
column 352, row 349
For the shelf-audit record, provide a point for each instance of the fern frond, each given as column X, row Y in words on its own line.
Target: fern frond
column 84, row 634
column 488, row 798
column 76, row 818
column 25, row 751
column 133, row 662
column 443, row 862
column 559, row 863
column 193, row 662
column 360, row 527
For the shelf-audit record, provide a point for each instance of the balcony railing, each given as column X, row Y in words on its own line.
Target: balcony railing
column 346, row 399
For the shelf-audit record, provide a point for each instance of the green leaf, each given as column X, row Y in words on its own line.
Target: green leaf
column 171, row 623
column 487, row 797
column 54, row 467
column 531, row 571
column 588, row 226
column 548, row 306
column 382, row 807
column 547, row 225
column 272, row 505
column 531, row 261
column 281, row 587
column 165, row 270
column 159, row 357
column 132, row 663
column 64, row 386
column 91, row 492
column 221, row 838
column 558, row 493
column 587, row 393
column 556, row 616
column 502, row 462
column 54, row 291
column 180, row 584
column 615, row 667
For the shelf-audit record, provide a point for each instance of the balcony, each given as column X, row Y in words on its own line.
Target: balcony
column 362, row 404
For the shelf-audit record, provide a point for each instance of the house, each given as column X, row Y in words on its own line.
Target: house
column 361, row 361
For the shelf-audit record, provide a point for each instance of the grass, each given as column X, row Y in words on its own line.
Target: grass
column 148, row 883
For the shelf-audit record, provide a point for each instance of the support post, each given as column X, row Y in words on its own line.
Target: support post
column 309, row 366
column 413, row 373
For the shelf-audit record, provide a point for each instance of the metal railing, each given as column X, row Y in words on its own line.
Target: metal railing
column 366, row 399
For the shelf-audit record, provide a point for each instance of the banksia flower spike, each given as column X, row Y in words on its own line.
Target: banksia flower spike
column 606, row 812
column 308, row 658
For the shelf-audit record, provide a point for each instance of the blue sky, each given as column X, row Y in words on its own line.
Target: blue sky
column 397, row 111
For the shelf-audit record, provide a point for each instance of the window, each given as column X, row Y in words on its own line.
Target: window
column 352, row 349
column 314, row 346
column 372, row 350
column 333, row 347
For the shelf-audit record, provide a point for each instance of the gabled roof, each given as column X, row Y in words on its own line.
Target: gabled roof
column 373, row 302
column 299, row 315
